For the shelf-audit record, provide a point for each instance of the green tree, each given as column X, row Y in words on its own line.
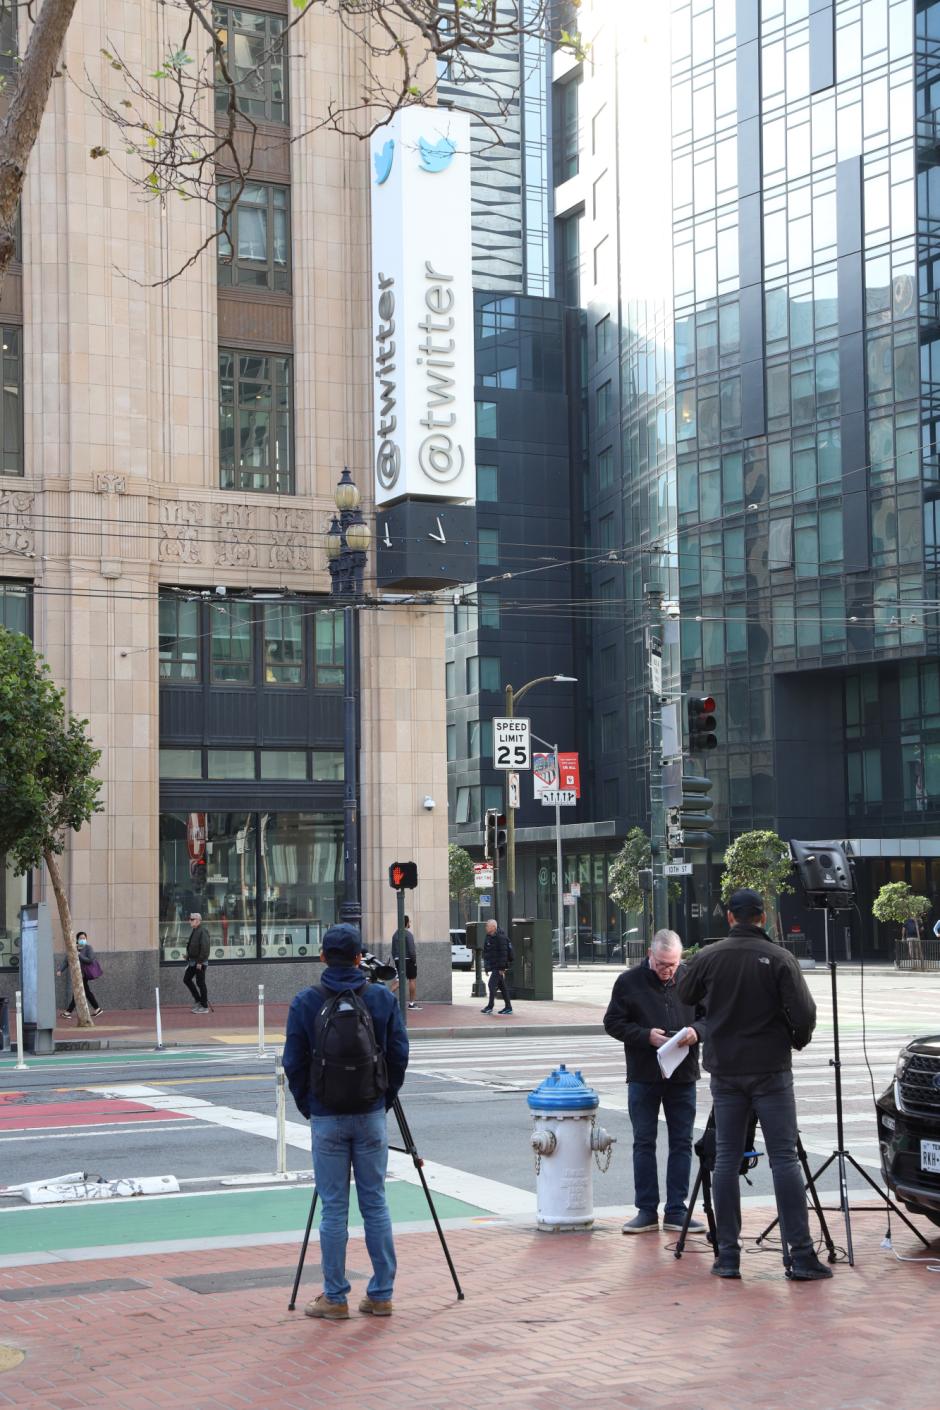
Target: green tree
column 623, row 882
column 47, row 783
column 760, row 861
column 896, row 903
column 460, row 873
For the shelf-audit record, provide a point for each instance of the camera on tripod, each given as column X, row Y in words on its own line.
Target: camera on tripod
column 377, row 971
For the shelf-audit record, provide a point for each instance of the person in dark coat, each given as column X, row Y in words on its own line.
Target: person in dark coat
column 497, row 957
column 758, row 1009
column 643, row 1013
column 91, row 969
column 197, row 953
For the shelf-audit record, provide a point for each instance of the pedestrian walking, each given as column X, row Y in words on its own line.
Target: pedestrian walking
column 757, row 1009
column 91, row 969
column 497, row 957
column 345, row 1058
column 644, row 1013
column 197, row 953
column 411, row 962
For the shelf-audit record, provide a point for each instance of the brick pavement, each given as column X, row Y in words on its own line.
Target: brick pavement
column 549, row 1320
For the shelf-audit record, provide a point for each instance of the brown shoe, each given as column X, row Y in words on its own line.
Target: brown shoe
column 329, row 1311
column 375, row 1309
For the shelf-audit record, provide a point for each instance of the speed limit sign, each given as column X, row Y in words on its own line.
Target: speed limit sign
column 512, row 747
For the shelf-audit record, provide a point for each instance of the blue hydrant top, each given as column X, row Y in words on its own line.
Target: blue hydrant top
column 563, row 1091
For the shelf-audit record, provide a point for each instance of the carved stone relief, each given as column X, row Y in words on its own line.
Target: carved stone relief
column 110, row 483
column 16, row 523
column 180, row 521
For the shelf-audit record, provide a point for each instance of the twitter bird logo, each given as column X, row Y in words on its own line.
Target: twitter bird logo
column 383, row 162
column 436, row 156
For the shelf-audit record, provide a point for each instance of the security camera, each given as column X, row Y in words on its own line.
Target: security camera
column 429, row 803
column 671, row 610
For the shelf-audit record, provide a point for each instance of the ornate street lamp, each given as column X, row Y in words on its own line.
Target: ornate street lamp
column 347, row 543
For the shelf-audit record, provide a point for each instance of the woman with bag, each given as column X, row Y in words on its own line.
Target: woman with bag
column 91, row 969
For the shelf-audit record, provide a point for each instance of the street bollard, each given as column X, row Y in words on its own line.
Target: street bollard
column 261, row 1052
column 564, row 1141
column 20, row 1063
column 280, row 1108
column 159, row 1022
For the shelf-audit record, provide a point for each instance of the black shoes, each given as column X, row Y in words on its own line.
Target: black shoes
column 726, row 1268
column 808, row 1269
column 502, row 1011
column 487, row 1010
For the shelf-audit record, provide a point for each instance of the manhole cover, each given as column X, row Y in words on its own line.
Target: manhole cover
column 10, row 1356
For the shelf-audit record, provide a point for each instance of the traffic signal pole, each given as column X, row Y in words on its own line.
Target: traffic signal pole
column 510, row 832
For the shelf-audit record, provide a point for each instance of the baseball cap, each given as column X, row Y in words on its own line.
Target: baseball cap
column 745, row 902
column 342, row 940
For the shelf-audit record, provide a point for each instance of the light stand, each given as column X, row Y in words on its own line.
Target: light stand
column 841, row 1155
column 346, row 546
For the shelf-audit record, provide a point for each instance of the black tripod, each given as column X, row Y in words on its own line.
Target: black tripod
column 407, row 1147
column 843, row 1157
column 705, row 1150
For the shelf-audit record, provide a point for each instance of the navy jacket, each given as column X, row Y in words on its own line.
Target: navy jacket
column 299, row 1046
column 496, row 950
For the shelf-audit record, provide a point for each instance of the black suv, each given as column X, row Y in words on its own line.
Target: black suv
column 909, row 1128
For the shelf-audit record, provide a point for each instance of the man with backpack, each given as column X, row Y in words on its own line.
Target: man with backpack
column 345, row 1059
column 497, row 957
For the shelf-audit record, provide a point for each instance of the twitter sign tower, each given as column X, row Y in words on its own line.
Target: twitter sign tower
column 422, row 310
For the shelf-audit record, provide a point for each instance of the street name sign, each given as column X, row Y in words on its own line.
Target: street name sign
column 677, row 869
column 482, row 875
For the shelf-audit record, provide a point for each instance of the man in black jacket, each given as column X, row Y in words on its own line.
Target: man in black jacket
column 496, row 961
column 197, row 953
column 644, row 1011
column 758, row 1009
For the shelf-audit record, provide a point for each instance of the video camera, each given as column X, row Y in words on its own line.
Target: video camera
column 706, row 1143
column 376, row 970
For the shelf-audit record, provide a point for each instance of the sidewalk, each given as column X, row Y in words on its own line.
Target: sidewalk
column 549, row 1320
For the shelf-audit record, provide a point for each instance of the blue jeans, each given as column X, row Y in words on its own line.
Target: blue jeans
column 360, row 1144
column 770, row 1096
column 677, row 1100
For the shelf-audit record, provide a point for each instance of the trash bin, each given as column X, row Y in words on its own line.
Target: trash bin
column 532, row 971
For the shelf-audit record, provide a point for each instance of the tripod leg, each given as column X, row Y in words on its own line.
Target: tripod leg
column 814, row 1196
column 411, row 1150
column 709, row 1211
column 303, row 1252
column 882, row 1194
column 680, row 1241
column 844, row 1205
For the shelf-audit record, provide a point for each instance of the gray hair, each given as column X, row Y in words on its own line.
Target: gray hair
column 665, row 940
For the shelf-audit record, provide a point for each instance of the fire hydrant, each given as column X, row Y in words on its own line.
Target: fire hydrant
column 565, row 1138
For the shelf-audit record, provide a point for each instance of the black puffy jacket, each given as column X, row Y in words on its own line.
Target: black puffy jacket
column 496, row 950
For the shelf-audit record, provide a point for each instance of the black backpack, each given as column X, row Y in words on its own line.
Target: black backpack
column 348, row 1073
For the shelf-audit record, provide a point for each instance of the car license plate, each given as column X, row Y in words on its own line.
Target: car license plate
column 930, row 1156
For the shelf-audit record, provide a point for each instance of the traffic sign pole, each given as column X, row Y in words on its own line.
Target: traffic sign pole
column 401, row 952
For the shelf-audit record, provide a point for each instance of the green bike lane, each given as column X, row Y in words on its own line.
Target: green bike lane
column 213, row 1219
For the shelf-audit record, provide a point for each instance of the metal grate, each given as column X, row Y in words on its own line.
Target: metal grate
column 920, row 1086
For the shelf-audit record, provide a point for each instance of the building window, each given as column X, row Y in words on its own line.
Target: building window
column 231, row 643
column 480, row 739
column 14, row 607
column 462, row 809
column 489, row 610
column 11, row 405
column 181, row 763
column 450, row 680
column 488, row 547
column 568, row 259
column 565, row 131
column 486, row 420
column 487, row 484
column 252, row 50
column 605, row 469
column 465, row 616
column 606, row 535
column 609, row 665
column 328, row 766
column 493, row 797
column 231, row 763
column 254, row 248
column 603, row 337
column 473, row 675
column 330, row 645
column 283, row 643
column 604, row 402
column 289, row 765
column 451, row 741
column 610, row 731
column 255, row 422
column 490, row 673
column 179, row 639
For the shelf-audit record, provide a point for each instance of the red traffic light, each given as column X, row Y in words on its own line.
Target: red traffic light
column 702, row 723
column 706, row 704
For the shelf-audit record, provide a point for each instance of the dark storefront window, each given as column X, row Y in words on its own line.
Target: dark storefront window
column 329, row 652
column 179, row 640
column 283, row 643
column 231, row 643
column 267, row 884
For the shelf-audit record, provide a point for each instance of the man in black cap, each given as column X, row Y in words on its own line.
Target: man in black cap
column 758, row 1009
column 351, row 1134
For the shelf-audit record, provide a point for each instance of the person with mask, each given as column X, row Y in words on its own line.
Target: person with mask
column 91, row 969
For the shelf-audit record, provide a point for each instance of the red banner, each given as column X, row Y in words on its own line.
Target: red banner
column 569, row 773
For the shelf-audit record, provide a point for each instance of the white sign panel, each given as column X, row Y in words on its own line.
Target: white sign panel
column 677, row 869
column 422, row 307
column 482, row 875
column 563, row 797
column 513, row 781
column 512, row 744
column 544, row 773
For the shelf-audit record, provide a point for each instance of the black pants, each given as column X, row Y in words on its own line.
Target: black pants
column 197, row 989
column 497, row 983
column 92, row 1001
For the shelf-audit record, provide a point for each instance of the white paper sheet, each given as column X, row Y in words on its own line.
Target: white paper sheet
column 670, row 1055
